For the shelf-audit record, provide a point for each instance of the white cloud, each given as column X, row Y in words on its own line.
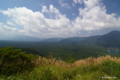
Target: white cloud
column 88, row 3
column 35, row 23
column 64, row 4
column 94, row 16
column 6, row 28
column 44, row 9
column 91, row 3
column 10, row 23
column 91, row 17
column 78, row 1
column 6, row 31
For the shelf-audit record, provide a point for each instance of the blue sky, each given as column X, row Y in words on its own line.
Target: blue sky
column 58, row 18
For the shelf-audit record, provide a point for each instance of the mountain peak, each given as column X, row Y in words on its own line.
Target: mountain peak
column 114, row 32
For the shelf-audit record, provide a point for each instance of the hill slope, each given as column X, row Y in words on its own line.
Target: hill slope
column 112, row 39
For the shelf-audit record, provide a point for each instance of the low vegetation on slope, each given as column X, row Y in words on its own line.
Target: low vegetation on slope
column 16, row 65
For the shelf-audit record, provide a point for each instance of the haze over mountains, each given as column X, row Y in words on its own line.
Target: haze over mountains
column 24, row 38
column 29, row 38
column 110, row 39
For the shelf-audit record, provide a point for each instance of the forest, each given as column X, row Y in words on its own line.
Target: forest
column 62, row 50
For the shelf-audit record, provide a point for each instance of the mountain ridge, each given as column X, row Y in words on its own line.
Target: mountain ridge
column 111, row 39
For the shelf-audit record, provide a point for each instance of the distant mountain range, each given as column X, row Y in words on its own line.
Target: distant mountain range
column 24, row 38
column 29, row 38
column 110, row 39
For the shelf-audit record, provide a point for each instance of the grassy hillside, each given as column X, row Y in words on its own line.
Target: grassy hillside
column 111, row 39
column 56, row 69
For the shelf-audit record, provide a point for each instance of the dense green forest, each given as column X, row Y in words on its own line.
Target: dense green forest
column 62, row 50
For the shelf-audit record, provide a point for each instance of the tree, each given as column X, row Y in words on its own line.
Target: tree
column 15, row 60
column 70, row 59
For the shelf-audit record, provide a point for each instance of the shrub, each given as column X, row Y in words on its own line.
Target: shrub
column 111, row 68
column 47, row 75
column 15, row 60
column 70, row 59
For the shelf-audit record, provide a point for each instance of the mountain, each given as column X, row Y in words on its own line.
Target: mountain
column 111, row 39
column 52, row 40
column 89, row 40
column 29, row 38
column 72, row 39
column 24, row 38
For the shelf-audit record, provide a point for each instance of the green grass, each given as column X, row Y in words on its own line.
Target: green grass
column 86, row 72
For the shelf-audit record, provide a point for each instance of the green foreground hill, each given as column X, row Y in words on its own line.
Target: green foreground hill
column 16, row 65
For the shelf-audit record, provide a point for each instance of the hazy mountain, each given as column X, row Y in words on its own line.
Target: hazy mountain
column 111, row 39
column 24, row 38
column 89, row 40
column 72, row 39
column 52, row 40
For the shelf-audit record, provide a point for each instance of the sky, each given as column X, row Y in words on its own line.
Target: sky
column 58, row 18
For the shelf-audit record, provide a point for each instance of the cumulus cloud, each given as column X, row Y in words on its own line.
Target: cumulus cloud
column 6, row 31
column 63, row 4
column 10, row 23
column 44, row 9
column 94, row 16
column 78, row 1
column 35, row 23
column 6, row 28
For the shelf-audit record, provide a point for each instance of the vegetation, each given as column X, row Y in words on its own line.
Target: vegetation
column 13, row 61
column 21, row 66
column 31, row 51
column 70, row 59
column 61, row 50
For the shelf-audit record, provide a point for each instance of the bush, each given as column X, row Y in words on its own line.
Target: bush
column 111, row 68
column 70, row 59
column 15, row 60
